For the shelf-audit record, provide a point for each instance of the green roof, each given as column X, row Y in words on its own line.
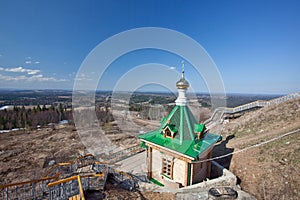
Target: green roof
column 199, row 128
column 183, row 124
column 183, row 120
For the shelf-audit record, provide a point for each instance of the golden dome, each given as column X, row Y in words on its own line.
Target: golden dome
column 182, row 83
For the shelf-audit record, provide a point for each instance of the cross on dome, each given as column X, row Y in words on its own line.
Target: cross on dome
column 182, row 83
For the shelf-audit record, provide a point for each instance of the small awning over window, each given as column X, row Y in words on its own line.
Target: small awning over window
column 169, row 131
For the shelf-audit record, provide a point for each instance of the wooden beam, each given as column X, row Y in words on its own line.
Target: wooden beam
column 209, row 164
column 192, row 174
column 185, row 183
column 62, row 181
column 169, row 153
column 149, row 157
column 28, row 182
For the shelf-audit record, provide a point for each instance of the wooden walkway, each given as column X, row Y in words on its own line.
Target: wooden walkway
column 221, row 111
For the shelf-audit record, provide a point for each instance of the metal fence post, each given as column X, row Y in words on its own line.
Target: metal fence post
column 32, row 190
column 6, row 193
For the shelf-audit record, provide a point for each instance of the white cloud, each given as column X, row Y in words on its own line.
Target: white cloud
column 172, row 68
column 29, row 60
column 33, row 71
column 30, row 75
column 21, row 70
column 16, row 69
column 11, row 78
column 83, row 77
column 38, row 77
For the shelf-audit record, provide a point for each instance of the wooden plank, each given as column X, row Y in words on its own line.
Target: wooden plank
column 63, row 164
column 169, row 153
column 62, row 181
column 76, row 197
column 209, row 165
column 28, row 182
column 186, row 174
column 192, row 174
column 149, row 157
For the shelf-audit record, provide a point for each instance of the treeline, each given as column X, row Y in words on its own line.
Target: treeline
column 104, row 114
column 20, row 117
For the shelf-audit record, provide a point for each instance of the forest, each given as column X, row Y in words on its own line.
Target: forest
column 20, row 117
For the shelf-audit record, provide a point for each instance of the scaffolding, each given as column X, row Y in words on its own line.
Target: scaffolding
column 70, row 180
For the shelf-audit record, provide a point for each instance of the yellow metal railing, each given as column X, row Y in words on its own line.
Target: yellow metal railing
column 27, row 189
column 28, row 182
column 57, row 170
column 77, row 160
column 72, row 178
column 80, row 188
column 62, row 181
column 68, row 180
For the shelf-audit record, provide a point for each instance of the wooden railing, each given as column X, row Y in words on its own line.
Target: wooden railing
column 52, row 186
column 219, row 112
column 33, row 189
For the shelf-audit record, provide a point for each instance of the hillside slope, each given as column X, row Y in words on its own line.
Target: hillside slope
column 270, row 171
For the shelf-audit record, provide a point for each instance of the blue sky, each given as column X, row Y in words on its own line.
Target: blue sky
column 255, row 44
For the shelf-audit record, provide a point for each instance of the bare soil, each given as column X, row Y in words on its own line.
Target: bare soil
column 115, row 193
column 25, row 155
column 270, row 171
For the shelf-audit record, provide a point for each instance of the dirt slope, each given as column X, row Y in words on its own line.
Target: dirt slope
column 270, row 171
column 25, row 155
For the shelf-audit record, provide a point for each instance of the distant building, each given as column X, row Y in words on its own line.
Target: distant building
column 176, row 149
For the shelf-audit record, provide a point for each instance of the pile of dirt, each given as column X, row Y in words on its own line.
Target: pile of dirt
column 270, row 171
column 27, row 155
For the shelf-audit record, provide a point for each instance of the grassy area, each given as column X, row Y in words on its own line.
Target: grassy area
column 285, row 150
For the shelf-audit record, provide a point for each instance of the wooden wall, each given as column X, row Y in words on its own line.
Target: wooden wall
column 156, row 164
column 179, row 170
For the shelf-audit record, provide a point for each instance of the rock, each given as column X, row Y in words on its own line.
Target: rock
column 282, row 162
column 51, row 162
